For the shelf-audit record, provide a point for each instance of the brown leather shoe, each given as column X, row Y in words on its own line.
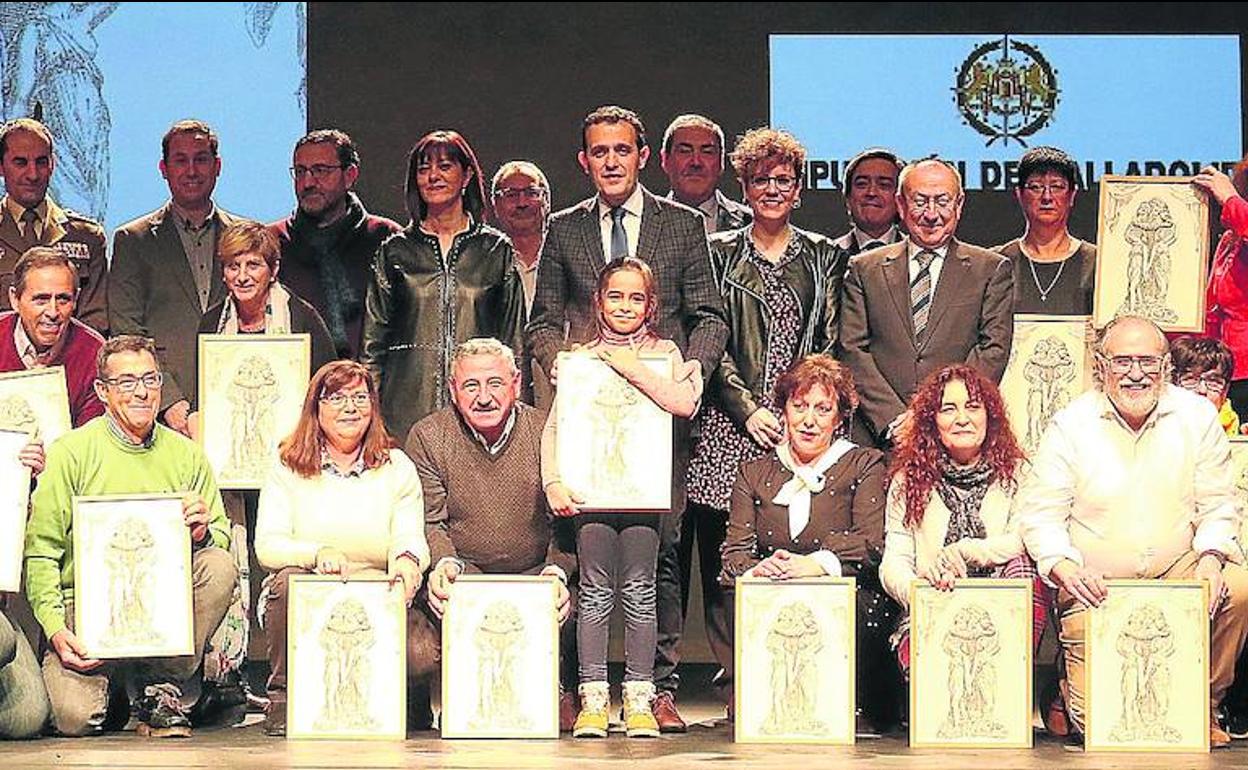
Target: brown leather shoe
column 569, row 707
column 665, row 713
column 1218, row 738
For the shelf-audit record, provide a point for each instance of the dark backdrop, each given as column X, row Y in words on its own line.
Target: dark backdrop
column 517, row 78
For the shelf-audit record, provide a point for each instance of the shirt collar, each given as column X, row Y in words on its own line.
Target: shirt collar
column 184, row 223
column 632, row 205
column 913, row 249
column 121, row 436
column 26, row 349
column 862, row 239
column 15, row 209
column 328, row 467
column 497, row 446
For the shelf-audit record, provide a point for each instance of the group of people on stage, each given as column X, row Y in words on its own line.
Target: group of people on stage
column 835, row 406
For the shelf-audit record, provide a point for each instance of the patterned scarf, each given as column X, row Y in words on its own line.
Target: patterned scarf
column 276, row 313
column 341, row 300
column 962, row 489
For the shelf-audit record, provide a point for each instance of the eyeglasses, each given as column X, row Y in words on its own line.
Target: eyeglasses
column 1123, row 364
column 919, row 203
column 783, row 183
column 127, row 384
column 516, row 193
column 1037, row 189
column 319, row 172
column 1210, row 383
column 339, row 400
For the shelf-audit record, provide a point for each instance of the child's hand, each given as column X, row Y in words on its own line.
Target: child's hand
column 562, row 501
column 623, row 360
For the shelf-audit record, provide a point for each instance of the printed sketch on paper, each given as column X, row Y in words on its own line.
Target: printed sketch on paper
column 14, row 504
column 970, row 657
column 1152, row 252
column 132, row 576
column 16, row 414
column 1146, row 645
column 251, row 391
column 614, row 445
column 346, row 643
column 1049, row 366
column 500, row 658
column 499, row 638
column 972, row 642
column 794, row 642
column 799, row 636
column 1148, row 679
column 346, row 638
column 36, row 401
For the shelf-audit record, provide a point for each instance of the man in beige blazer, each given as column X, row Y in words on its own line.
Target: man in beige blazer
column 928, row 300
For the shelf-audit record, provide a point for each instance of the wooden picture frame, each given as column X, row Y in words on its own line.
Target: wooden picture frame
column 251, row 391
column 1164, row 626
column 1050, row 365
column 614, row 447
column 346, row 645
column 1152, row 251
column 14, row 507
column 984, row 627
column 36, row 401
column 500, row 658
column 798, row 636
column 132, row 576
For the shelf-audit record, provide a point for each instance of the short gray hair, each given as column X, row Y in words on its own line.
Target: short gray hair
column 693, row 120
column 122, row 343
column 1103, row 335
column 522, row 167
column 483, row 346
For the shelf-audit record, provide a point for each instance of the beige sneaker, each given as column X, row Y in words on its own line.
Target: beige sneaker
column 639, row 721
column 595, row 702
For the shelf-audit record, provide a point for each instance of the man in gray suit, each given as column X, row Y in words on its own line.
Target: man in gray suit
column 164, row 273
column 693, row 159
column 626, row 219
column 870, row 190
column 923, row 302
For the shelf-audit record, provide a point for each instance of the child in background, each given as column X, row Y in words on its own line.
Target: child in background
column 1204, row 366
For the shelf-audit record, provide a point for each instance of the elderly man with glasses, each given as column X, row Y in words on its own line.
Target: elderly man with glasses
column 1134, row 480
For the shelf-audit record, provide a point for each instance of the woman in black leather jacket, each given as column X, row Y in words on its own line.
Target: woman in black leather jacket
column 445, row 278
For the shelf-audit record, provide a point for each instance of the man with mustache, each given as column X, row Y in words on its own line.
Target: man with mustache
column 329, row 241
column 1054, row 272
column 625, row 219
column 923, row 302
column 485, row 511
column 29, row 217
column 164, row 272
column 870, row 190
column 1134, row 480
column 693, row 159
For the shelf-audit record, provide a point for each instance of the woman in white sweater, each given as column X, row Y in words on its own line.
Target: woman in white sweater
column 956, row 469
column 342, row 501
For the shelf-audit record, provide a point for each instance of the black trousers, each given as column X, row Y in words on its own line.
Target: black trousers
column 705, row 528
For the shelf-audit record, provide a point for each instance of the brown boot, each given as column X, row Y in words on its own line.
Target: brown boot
column 275, row 714
column 665, row 713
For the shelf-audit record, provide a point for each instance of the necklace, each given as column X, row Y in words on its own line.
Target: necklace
column 1044, row 293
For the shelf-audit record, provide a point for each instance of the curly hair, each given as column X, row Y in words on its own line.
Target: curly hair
column 918, row 453
column 820, row 369
column 763, row 144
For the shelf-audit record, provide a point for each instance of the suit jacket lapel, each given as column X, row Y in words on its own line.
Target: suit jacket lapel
column 897, row 277
column 591, row 236
column 168, row 241
column 648, row 238
column 216, row 288
column 11, row 236
column 953, row 273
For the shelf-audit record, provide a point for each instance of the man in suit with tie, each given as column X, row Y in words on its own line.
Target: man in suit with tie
column 870, row 189
column 921, row 303
column 693, row 159
column 29, row 218
column 164, row 273
column 624, row 218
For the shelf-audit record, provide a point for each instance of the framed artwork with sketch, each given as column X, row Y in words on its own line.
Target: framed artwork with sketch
column 1050, row 365
column 36, row 401
column 1152, row 247
column 14, row 502
column 251, row 390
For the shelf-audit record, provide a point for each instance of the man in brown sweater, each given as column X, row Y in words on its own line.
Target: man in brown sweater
column 485, row 511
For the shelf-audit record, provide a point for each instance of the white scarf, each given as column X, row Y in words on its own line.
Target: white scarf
column 807, row 480
column 276, row 313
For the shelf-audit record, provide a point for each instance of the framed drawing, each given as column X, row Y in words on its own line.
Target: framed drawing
column 251, row 389
column 1239, row 467
column 346, row 648
column 1050, row 364
column 500, row 658
column 36, row 401
column 1147, row 667
column 14, row 500
column 1152, row 252
column 970, row 664
column 132, row 576
column 614, row 444
column 798, row 636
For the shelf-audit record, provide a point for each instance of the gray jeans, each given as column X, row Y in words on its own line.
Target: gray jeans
column 616, row 560
column 24, row 705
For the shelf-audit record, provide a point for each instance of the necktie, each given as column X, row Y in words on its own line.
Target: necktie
column 921, row 292
column 872, row 245
column 30, row 224
column 619, row 238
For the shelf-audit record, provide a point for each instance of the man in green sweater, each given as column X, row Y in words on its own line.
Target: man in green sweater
column 123, row 452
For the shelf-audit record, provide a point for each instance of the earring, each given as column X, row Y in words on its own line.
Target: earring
column 797, row 203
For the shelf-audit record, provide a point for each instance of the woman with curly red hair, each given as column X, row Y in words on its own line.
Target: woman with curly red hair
column 955, row 472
